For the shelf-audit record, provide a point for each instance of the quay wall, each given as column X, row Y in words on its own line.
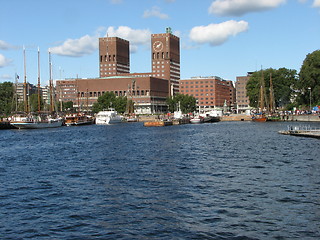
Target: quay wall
column 302, row 118
column 236, row 117
column 243, row 117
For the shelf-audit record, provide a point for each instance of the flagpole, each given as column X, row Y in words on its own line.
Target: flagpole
column 39, row 99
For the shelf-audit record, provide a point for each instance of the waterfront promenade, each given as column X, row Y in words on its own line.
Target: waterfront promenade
column 243, row 117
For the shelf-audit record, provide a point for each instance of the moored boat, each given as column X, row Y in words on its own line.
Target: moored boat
column 34, row 122
column 259, row 118
column 197, row 119
column 78, row 119
column 28, row 120
column 108, row 117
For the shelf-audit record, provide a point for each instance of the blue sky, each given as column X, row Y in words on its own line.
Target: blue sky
column 225, row 38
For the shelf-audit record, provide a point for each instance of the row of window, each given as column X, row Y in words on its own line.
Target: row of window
column 161, row 55
column 201, row 82
column 197, row 90
column 162, row 66
column 117, row 93
column 113, row 64
column 107, row 58
column 201, row 94
column 197, row 86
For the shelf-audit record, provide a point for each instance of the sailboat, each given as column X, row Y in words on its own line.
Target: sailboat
column 29, row 120
column 273, row 116
column 260, row 116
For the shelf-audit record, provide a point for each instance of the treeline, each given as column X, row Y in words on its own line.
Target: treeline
column 291, row 89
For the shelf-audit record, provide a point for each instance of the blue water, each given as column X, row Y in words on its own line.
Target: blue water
column 226, row 180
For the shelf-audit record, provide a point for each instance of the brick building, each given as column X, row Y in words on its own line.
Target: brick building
column 114, row 56
column 166, row 59
column 148, row 93
column 210, row 92
column 242, row 100
column 151, row 89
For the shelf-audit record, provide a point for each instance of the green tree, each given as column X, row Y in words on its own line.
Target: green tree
column 187, row 103
column 309, row 79
column 283, row 81
column 110, row 100
column 34, row 103
column 120, row 104
column 68, row 106
column 6, row 98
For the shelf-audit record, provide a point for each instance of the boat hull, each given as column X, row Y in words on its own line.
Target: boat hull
column 261, row 119
column 196, row 120
column 37, row 125
column 79, row 123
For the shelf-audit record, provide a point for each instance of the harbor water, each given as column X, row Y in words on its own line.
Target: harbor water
column 226, row 180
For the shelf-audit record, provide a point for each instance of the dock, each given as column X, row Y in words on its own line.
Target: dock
column 302, row 132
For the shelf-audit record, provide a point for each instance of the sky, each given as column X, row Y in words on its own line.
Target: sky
column 224, row 38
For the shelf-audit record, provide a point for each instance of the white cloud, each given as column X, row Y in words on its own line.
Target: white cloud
column 5, row 77
column 155, row 12
column 217, row 34
column 77, row 47
column 88, row 44
column 134, row 36
column 241, row 7
column 4, row 61
column 5, row 46
column 316, row 3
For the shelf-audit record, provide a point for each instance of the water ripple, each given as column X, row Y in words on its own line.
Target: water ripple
column 210, row 181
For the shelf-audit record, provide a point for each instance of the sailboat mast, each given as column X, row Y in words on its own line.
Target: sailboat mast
column 25, row 95
column 262, row 92
column 51, row 84
column 272, row 102
column 39, row 99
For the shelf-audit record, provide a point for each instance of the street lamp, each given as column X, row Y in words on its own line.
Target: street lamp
column 309, row 88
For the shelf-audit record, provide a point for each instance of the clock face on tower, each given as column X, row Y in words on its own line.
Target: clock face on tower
column 157, row 46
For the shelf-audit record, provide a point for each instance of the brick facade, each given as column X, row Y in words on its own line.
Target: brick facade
column 210, row 92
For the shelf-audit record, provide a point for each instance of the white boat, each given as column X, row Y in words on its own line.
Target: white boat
column 132, row 119
column 197, row 119
column 108, row 117
column 35, row 122
column 210, row 116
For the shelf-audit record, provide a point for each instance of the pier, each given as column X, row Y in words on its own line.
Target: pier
column 302, row 131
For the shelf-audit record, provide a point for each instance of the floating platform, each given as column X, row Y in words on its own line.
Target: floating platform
column 302, row 132
column 157, row 123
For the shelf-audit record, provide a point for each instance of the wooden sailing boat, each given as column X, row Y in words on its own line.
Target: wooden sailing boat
column 260, row 116
column 30, row 120
column 273, row 116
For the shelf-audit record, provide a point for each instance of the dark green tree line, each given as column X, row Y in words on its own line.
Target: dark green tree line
column 283, row 80
column 6, row 98
column 110, row 100
column 187, row 103
column 309, row 80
